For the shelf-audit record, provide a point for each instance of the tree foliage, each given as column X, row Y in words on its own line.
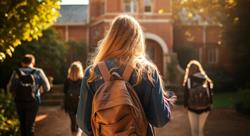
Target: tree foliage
column 201, row 11
column 237, row 39
column 24, row 20
column 49, row 52
column 52, row 54
column 9, row 124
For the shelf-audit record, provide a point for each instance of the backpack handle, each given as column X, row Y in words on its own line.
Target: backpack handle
column 106, row 73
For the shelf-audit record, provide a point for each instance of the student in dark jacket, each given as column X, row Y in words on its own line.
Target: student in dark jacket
column 196, row 76
column 124, row 45
column 72, row 87
column 27, row 107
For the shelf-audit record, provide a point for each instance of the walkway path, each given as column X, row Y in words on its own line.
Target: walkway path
column 221, row 122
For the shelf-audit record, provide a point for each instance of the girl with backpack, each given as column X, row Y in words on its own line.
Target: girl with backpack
column 72, row 93
column 121, row 57
column 197, row 96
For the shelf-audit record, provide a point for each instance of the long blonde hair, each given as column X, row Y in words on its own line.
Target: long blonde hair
column 75, row 71
column 125, row 42
column 190, row 70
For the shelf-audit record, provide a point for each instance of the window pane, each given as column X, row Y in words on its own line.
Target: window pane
column 147, row 5
column 212, row 55
column 147, row 8
column 130, row 6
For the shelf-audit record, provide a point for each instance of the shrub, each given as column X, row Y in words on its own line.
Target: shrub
column 9, row 125
column 223, row 82
column 52, row 55
column 243, row 101
column 76, row 51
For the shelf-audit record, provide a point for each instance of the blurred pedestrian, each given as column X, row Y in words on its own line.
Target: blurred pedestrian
column 197, row 96
column 121, row 70
column 26, row 84
column 72, row 87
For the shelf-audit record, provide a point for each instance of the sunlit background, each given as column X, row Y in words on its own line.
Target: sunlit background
column 67, row 2
column 215, row 32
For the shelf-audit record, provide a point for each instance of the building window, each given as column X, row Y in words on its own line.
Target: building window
column 130, row 6
column 148, row 5
column 213, row 55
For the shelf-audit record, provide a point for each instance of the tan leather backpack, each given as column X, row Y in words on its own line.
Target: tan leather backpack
column 116, row 108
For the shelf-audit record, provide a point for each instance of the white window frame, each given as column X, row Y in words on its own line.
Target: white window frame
column 132, row 4
column 213, row 55
column 148, row 3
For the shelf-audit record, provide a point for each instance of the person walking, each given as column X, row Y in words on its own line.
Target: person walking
column 72, row 93
column 120, row 79
column 26, row 83
column 197, row 96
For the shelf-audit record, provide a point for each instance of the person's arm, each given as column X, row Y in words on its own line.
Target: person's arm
column 83, row 115
column 157, row 110
column 210, row 92
column 186, row 88
column 44, row 81
column 11, row 83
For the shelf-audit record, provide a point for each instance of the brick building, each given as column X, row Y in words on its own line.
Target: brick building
column 73, row 23
column 206, row 42
column 158, row 27
column 89, row 23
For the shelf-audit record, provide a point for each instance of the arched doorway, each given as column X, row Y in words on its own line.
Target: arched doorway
column 154, row 52
column 157, row 50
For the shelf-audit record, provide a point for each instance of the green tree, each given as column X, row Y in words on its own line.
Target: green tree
column 233, row 16
column 9, row 124
column 52, row 54
column 76, row 51
column 201, row 11
column 237, row 39
column 49, row 52
column 24, row 20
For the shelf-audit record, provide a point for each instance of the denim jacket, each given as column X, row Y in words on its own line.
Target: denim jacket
column 157, row 111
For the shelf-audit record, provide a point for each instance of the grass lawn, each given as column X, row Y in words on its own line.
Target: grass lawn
column 224, row 99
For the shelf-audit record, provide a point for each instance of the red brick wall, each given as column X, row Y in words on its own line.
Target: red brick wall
column 155, row 23
column 162, row 4
column 61, row 31
column 96, row 8
column 114, row 6
column 75, row 33
column 96, row 34
column 164, row 30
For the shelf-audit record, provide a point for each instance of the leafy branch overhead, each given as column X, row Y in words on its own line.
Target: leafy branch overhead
column 24, row 20
column 202, row 12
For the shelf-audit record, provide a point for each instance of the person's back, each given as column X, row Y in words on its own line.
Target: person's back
column 39, row 78
column 157, row 111
column 25, row 84
column 124, row 45
column 198, row 92
column 197, row 96
column 72, row 92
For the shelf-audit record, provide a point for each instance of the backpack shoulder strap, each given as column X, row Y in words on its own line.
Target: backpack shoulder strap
column 18, row 72
column 33, row 71
column 127, row 72
column 104, row 71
